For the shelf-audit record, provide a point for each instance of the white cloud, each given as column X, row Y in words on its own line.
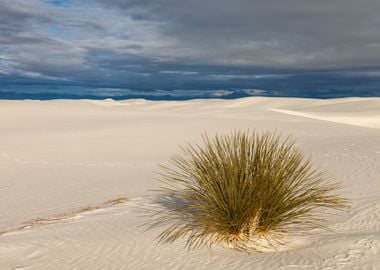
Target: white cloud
column 221, row 93
column 179, row 72
column 363, row 73
column 255, row 92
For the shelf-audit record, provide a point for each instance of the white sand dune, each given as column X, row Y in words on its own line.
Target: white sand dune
column 364, row 113
column 61, row 161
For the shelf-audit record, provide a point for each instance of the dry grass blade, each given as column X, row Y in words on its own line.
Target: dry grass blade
column 242, row 191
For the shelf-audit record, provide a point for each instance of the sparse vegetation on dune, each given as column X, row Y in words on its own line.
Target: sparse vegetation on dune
column 242, row 191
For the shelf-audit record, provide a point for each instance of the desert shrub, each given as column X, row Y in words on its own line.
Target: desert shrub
column 243, row 191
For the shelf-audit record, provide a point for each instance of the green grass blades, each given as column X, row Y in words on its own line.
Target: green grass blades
column 241, row 191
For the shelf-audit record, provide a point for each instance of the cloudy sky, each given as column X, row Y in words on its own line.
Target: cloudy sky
column 324, row 48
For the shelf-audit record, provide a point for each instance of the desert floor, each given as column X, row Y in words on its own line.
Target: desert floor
column 67, row 167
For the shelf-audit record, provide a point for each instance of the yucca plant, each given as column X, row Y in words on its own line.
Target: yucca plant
column 241, row 189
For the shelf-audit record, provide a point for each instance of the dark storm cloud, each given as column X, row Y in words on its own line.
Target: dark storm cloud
column 15, row 15
column 288, row 46
column 292, row 33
